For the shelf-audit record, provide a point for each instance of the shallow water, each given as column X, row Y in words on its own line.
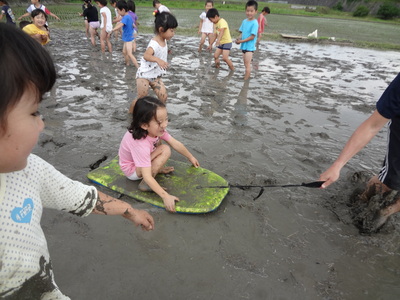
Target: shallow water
column 286, row 125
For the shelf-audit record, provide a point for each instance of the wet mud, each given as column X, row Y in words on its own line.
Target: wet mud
column 285, row 125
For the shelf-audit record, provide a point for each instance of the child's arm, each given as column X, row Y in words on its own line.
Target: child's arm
column 51, row 14
column 118, row 26
column 169, row 200
column 24, row 15
column 200, row 25
column 238, row 39
column 149, row 56
column 105, row 21
column 181, row 149
column 107, row 205
column 220, row 34
column 251, row 37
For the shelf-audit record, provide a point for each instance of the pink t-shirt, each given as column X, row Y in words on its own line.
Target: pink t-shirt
column 261, row 23
column 137, row 153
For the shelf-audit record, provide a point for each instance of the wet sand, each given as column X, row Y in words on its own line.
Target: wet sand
column 286, row 125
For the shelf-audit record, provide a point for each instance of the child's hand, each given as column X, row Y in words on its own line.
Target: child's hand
column 163, row 64
column 140, row 217
column 44, row 38
column 237, row 41
column 194, row 162
column 169, row 202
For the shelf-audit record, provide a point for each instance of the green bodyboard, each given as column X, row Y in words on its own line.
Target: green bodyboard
column 183, row 182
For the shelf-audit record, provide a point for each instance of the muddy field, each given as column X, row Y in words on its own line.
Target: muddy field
column 286, row 125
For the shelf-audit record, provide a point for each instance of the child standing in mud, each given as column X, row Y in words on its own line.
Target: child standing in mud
column 105, row 26
column 92, row 17
column 387, row 183
column 206, row 27
column 27, row 182
column 37, row 5
column 142, row 156
column 262, row 21
column 248, row 36
column 126, row 24
column 222, row 39
column 154, row 63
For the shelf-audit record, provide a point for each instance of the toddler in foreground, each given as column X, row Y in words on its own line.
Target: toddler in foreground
column 141, row 154
column 28, row 183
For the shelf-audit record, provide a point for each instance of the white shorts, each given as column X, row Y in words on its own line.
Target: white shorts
column 134, row 177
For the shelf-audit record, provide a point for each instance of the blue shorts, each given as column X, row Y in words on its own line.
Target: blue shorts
column 226, row 46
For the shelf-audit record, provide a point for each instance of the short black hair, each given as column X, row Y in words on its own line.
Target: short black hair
column 122, row 5
column 266, row 9
column 212, row 13
column 23, row 63
column 252, row 3
column 165, row 20
column 131, row 5
column 37, row 12
column 103, row 2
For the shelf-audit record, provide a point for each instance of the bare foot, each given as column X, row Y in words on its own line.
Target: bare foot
column 217, row 65
column 144, row 187
column 166, row 170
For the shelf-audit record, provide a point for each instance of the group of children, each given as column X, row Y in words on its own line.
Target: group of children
column 250, row 29
column 27, row 183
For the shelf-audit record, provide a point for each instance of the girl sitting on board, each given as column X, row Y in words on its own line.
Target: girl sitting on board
column 141, row 154
column 154, row 63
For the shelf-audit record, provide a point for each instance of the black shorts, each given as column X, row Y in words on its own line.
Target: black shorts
column 390, row 172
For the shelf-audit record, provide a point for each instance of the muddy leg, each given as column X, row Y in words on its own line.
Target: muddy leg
column 142, row 87
column 159, row 89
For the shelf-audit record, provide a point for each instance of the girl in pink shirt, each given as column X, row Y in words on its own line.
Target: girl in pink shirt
column 262, row 22
column 141, row 153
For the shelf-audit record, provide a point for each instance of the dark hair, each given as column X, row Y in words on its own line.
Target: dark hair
column 266, row 9
column 104, row 2
column 88, row 3
column 209, row 1
column 37, row 12
column 144, row 111
column 212, row 13
column 122, row 5
column 156, row 2
column 131, row 5
column 22, row 24
column 23, row 63
column 165, row 20
column 252, row 3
